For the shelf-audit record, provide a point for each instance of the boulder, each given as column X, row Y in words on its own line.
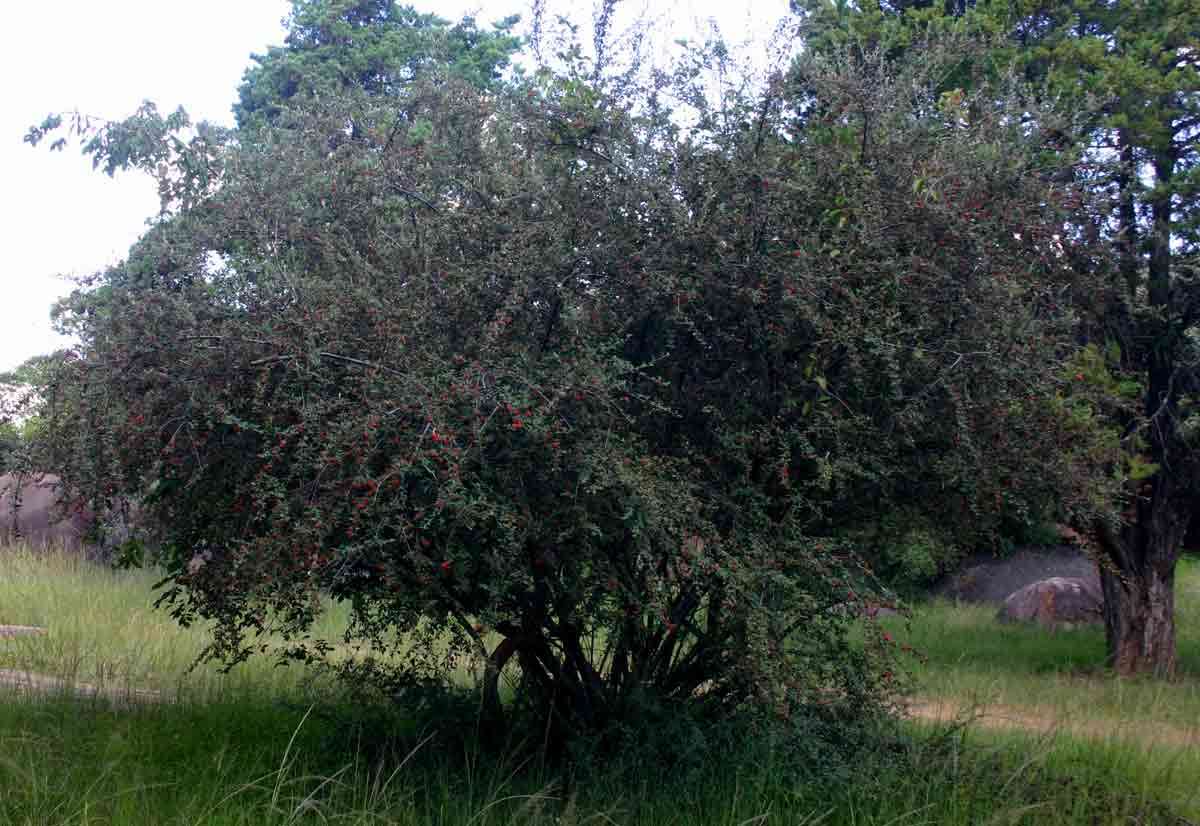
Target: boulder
column 1058, row 602
column 34, row 512
column 30, row 512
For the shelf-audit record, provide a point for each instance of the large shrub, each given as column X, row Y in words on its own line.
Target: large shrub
column 540, row 379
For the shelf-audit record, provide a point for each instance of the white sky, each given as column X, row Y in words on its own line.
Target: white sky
column 58, row 217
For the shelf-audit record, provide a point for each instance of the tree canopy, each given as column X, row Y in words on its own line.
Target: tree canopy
column 375, row 46
column 1130, row 72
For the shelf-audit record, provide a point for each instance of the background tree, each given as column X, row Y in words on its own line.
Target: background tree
column 1131, row 70
column 21, row 399
column 1143, row 71
column 376, row 46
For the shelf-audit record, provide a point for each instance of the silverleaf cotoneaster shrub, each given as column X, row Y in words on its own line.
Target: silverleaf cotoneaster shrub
column 543, row 382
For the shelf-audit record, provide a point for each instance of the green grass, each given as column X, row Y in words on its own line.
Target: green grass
column 102, row 629
column 1056, row 680
column 265, row 763
column 264, row 745
column 971, row 658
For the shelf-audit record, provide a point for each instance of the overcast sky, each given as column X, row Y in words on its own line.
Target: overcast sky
column 57, row 216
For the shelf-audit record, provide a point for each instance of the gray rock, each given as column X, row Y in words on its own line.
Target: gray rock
column 34, row 512
column 986, row 578
column 31, row 512
column 1058, row 602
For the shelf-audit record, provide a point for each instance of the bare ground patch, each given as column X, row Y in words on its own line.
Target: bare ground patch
column 1041, row 720
column 9, row 631
column 32, row 683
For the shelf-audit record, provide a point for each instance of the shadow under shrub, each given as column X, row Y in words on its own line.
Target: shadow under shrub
column 675, row 767
column 656, row 747
column 663, row 743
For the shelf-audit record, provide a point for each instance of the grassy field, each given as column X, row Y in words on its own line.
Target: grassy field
column 1022, row 684
column 267, row 745
column 970, row 659
column 102, row 629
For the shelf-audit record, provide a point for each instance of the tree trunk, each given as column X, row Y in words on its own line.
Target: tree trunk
column 1139, row 619
column 1138, row 575
column 1128, row 242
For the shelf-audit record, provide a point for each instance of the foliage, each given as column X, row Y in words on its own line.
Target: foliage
column 10, row 445
column 468, row 458
column 907, row 550
column 540, row 365
column 20, row 424
column 375, row 46
column 1037, row 531
column 951, row 362
column 1130, row 70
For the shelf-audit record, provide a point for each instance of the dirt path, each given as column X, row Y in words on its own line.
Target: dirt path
column 29, row 682
column 1031, row 719
column 1045, row 721
column 10, row 631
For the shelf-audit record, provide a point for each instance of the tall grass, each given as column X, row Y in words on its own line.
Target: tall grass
column 102, row 628
column 262, row 763
column 265, row 745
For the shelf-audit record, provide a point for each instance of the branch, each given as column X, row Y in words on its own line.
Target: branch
column 414, row 196
column 581, row 147
column 359, row 362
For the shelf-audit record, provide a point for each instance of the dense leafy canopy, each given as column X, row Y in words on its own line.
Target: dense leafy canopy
column 539, row 378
